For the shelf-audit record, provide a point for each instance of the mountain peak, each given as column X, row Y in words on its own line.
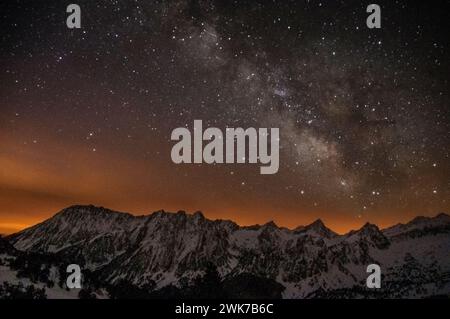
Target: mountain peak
column 270, row 224
column 318, row 223
column 423, row 219
column 87, row 209
column 370, row 233
column 420, row 224
column 442, row 216
column 319, row 227
column 198, row 214
column 419, row 219
column 369, row 227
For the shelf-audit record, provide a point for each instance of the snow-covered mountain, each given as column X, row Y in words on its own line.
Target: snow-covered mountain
column 164, row 250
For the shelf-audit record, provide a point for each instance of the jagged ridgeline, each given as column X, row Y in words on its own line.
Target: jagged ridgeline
column 175, row 255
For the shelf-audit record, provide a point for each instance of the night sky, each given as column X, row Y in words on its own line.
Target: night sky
column 87, row 114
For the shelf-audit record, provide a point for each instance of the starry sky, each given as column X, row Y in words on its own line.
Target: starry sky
column 87, row 114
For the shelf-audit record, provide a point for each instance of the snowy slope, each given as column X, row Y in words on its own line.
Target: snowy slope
column 310, row 261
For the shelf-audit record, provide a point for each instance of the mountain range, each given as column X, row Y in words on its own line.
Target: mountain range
column 174, row 255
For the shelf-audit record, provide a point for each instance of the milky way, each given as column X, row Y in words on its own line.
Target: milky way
column 363, row 113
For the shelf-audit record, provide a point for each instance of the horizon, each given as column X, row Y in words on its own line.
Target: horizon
column 13, row 230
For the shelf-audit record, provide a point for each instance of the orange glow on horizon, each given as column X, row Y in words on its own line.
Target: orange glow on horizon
column 37, row 183
column 9, row 227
